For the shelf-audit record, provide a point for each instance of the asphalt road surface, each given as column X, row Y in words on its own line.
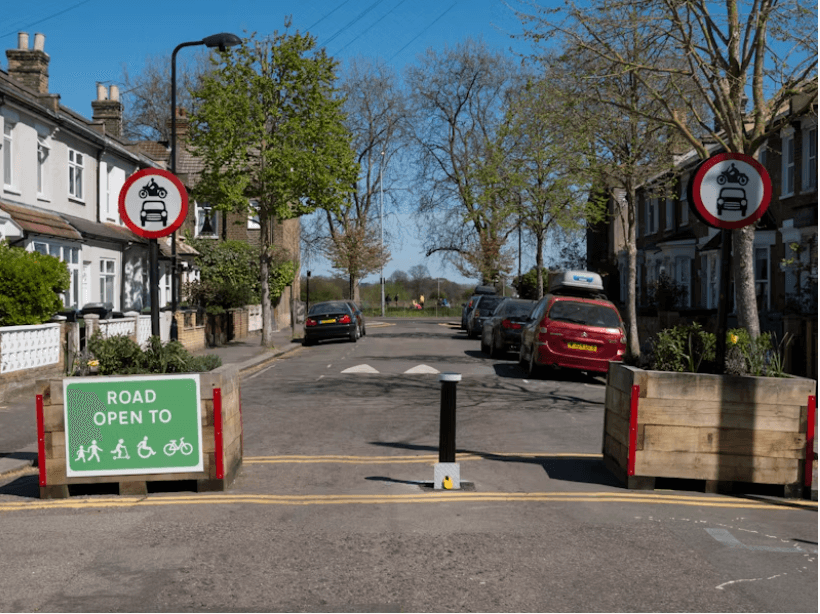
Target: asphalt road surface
column 332, row 510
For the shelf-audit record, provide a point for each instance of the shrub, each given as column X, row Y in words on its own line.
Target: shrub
column 119, row 355
column 665, row 293
column 30, row 284
column 686, row 347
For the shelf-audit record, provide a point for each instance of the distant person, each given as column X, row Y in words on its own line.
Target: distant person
column 396, row 300
column 387, row 300
column 421, row 302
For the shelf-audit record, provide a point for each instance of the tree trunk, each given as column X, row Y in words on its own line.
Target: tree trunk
column 264, row 262
column 743, row 261
column 633, row 340
column 539, row 265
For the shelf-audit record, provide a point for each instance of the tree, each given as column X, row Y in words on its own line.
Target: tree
column 764, row 51
column 419, row 276
column 377, row 119
column 229, row 274
column 459, row 96
column 268, row 126
column 30, row 285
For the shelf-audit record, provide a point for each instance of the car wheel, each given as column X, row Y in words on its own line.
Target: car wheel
column 354, row 335
column 494, row 353
column 306, row 342
column 485, row 349
column 534, row 370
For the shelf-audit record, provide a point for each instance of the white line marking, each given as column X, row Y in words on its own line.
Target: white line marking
column 261, row 372
column 421, row 369
column 360, row 369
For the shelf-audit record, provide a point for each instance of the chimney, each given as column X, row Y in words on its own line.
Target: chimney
column 29, row 66
column 108, row 110
column 182, row 124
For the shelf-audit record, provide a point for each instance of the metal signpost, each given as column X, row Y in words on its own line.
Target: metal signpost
column 132, row 425
column 729, row 191
column 153, row 203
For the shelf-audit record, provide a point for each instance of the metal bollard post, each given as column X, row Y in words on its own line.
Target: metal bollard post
column 447, row 429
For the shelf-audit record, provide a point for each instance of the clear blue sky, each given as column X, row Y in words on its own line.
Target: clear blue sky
column 90, row 41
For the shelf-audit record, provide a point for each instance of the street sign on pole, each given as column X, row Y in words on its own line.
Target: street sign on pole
column 132, row 425
column 153, row 203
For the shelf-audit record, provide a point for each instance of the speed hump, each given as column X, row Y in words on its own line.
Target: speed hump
column 153, row 203
column 730, row 190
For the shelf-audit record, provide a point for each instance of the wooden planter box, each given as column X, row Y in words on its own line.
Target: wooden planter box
column 222, row 442
column 718, row 428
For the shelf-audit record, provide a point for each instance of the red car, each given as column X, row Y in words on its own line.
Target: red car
column 573, row 332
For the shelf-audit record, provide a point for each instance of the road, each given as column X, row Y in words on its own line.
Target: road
column 332, row 511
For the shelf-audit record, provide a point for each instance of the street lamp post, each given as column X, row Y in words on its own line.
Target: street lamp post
column 222, row 42
column 381, row 221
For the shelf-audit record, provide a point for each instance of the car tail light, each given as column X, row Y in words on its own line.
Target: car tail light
column 509, row 324
column 310, row 322
column 345, row 320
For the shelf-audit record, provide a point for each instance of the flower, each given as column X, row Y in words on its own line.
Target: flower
column 93, row 363
column 733, row 338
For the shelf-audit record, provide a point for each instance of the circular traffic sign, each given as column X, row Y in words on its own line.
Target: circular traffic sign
column 153, row 203
column 730, row 190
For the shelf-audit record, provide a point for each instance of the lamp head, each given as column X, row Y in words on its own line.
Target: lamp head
column 222, row 41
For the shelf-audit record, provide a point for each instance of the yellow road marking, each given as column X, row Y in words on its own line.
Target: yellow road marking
column 381, row 499
column 421, row 458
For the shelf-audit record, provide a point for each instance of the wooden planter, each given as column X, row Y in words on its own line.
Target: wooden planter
column 718, row 428
column 222, row 443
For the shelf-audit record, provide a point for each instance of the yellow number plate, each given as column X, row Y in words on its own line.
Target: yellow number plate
column 327, row 321
column 582, row 346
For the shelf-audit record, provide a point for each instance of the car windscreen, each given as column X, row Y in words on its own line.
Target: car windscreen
column 328, row 308
column 487, row 304
column 588, row 314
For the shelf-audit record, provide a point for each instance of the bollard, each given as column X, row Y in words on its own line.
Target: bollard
column 446, row 473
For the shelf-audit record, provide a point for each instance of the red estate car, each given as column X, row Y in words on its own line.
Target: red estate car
column 572, row 331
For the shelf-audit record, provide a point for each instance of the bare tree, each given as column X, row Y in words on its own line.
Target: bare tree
column 764, row 50
column 459, row 96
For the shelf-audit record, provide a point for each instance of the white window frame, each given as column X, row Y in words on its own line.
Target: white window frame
column 43, row 151
column 808, row 179
column 71, row 255
column 253, row 217
column 684, row 200
column 8, row 156
column 108, row 275
column 651, row 222
column 765, row 278
column 76, row 174
column 200, row 212
column 787, row 163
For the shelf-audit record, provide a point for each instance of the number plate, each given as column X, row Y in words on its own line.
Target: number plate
column 582, row 346
column 327, row 321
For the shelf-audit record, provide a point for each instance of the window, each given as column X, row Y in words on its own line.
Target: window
column 762, row 277
column 809, row 175
column 651, row 218
column 108, row 278
column 8, row 155
column 71, row 256
column 684, row 201
column 683, row 267
column 75, row 174
column 253, row 217
column 207, row 221
column 670, row 214
column 787, row 181
column 42, row 170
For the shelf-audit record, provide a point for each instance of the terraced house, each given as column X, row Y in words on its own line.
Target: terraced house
column 671, row 241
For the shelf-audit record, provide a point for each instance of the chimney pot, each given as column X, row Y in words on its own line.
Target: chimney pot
column 101, row 92
column 39, row 41
column 22, row 40
column 115, row 93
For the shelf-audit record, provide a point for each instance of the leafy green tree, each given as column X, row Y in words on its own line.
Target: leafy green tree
column 30, row 285
column 528, row 284
column 229, row 274
column 268, row 126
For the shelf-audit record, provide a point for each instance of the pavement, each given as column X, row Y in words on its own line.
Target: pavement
column 18, row 424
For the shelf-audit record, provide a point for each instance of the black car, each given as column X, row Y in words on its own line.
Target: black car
column 330, row 320
column 502, row 331
column 482, row 309
column 359, row 317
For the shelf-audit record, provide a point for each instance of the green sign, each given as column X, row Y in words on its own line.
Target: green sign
column 132, row 425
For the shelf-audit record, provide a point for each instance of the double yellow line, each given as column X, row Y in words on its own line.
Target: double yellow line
column 400, row 460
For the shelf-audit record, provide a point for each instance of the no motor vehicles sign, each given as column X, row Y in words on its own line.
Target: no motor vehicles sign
column 153, row 203
column 132, row 425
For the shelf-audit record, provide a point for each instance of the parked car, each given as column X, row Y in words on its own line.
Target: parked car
column 468, row 306
column 330, row 320
column 359, row 318
column 502, row 331
column 572, row 332
column 482, row 309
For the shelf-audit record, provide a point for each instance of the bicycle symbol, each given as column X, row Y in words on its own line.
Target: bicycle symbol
column 732, row 175
column 172, row 447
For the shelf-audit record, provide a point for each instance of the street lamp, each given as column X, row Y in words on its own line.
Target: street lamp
column 222, row 42
column 381, row 218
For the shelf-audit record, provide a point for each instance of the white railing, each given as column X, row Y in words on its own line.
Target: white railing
column 123, row 327
column 254, row 317
column 27, row 347
column 143, row 330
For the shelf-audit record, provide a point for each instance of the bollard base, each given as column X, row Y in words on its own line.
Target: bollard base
column 446, row 474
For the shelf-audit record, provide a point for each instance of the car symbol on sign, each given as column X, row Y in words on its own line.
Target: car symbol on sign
column 732, row 199
column 154, row 211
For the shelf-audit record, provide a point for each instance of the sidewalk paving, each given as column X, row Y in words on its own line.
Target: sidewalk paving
column 18, row 422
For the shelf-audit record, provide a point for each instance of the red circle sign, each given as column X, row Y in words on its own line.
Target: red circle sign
column 153, row 203
column 730, row 190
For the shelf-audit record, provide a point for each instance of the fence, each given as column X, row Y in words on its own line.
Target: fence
column 29, row 347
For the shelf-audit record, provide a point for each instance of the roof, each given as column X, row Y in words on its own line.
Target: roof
column 183, row 249
column 40, row 222
column 107, row 232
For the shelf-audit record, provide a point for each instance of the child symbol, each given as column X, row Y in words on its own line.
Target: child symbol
column 143, row 449
column 120, row 451
column 80, row 455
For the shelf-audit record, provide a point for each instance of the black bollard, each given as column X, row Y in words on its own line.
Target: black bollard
column 447, row 429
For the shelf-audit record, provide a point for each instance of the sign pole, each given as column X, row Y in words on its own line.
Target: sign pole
column 723, row 300
column 153, row 272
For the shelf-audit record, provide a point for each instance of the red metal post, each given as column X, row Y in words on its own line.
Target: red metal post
column 220, row 470
column 41, row 440
column 633, row 430
column 810, row 441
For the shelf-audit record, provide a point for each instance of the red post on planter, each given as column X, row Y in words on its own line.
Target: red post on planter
column 633, row 430
column 41, row 440
column 810, row 442
column 219, row 461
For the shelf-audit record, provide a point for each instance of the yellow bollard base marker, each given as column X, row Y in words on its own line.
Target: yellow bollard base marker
column 447, row 483
column 446, row 476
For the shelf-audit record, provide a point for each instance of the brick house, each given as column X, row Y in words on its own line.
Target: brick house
column 205, row 222
column 61, row 177
column 671, row 240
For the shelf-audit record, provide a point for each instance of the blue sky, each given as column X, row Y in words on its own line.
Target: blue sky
column 90, row 41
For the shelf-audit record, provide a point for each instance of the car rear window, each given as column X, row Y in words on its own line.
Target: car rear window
column 516, row 308
column 333, row 307
column 489, row 303
column 588, row 314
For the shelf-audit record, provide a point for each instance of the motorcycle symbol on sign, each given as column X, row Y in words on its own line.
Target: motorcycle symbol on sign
column 732, row 175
